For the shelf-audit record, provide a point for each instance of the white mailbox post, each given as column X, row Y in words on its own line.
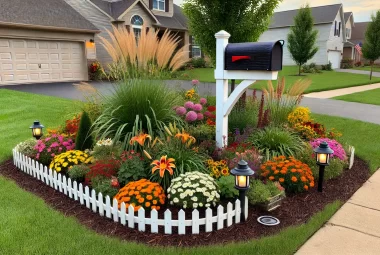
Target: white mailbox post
column 225, row 103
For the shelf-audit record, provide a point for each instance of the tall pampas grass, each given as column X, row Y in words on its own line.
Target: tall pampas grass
column 144, row 57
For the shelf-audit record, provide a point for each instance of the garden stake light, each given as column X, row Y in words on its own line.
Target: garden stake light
column 37, row 129
column 322, row 153
column 242, row 173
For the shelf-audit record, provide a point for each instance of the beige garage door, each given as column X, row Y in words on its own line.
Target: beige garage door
column 33, row 61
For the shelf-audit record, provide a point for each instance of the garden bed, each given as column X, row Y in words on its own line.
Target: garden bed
column 295, row 210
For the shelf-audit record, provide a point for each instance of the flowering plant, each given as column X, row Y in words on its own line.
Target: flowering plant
column 94, row 66
column 104, row 142
column 291, row 173
column 27, row 147
column 251, row 156
column 210, row 115
column 190, row 94
column 102, row 169
column 65, row 161
column 72, row 126
column 193, row 190
column 218, row 168
column 333, row 144
column 46, row 149
column 192, row 111
column 299, row 115
column 142, row 193
column 132, row 167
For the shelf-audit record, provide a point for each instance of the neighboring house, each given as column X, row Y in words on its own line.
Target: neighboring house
column 43, row 41
column 328, row 20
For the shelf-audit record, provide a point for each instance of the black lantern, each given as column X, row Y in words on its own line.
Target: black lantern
column 37, row 129
column 242, row 173
column 322, row 156
column 92, row 42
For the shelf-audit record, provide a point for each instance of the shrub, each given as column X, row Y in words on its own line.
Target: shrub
column 95, row 71
column 359, row 63
column 327, row 67
column 218, row 168
column 292, row 174
column 193, row 190
column 105, row 149
column 306, row 132
column 68, row 159
column 333, row 144
column 299, row 115
column 198, row 63
column 251, row 156
column 202, row 132
column 274, row 141
column 226, row 186
column 47, row 148
column 243, row 117
column 27, row 147
column 311, row 68
column 347, row 63
column 132, row 168
column 102, row 168
column 104, row 186
column 84, row 139
column 142, row 193
column 78, row 172
column 260, row 193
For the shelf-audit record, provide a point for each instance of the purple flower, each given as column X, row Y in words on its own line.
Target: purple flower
column 203, row 101
column 181, row 111
column 197, row 107
column 333, row 144
column 191, row 116
column 199, row 116
column 189, row 105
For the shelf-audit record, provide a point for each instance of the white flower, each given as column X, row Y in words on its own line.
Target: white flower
column 184, row 206
column 195, row 205
column 195, row 199
column 180, row 190
column 207, row 205
column 200, row 204
column 175, row 200
column 182, row 195
column 217, row 195
column 171, row 202
column 168, row 195
column 173, row 191
column 198, row 189
column 202, row 181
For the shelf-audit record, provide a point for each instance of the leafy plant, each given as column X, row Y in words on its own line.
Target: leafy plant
column 84, row 139
column 226, row 186
column 105, row 149
column 102, row 168
column 243, row 117
column 299, row 115
column 78, row 172
column 371, row 46
column 274, row 141
column 27, row 147
column 327, row 67
column 104, row 185
column 202, row 132
column 198, row 62
column 132, row 168
column 260, row 193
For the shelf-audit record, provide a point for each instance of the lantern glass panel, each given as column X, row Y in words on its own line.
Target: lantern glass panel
column 241, row 181
column 323, row 158
column 37, row 131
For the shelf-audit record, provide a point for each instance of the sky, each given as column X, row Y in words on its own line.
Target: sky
column 362, row 9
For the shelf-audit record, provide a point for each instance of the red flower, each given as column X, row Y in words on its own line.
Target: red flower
column 211, row 108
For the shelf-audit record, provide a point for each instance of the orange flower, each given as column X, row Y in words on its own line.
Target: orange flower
column 281, row 180
column 293, row 170
column 306, row 187
column 271, row 178
column 311, row 184
column 273, row 168
column 141, row 200
column 163, row 165
column 294, row 179
column 283, row 172
column 185, row 137
column 303, row 179
column 140, row 139
column 154, row 202
column 147, row 204
column 149, row 197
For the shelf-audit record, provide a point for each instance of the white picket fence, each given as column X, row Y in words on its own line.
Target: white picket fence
column 109, row 209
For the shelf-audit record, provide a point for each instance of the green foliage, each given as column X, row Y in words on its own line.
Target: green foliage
column 242, row 117
column 311, row 68
column 274, row 141
column 103, row 185
column 302, row 38
column 136, row 105
column 106, row 151
column 84, row 139
column 371, row 46
column 260, row 192
column 27, row 147
column 245, row 20
column 202, row 132
column 327, row 67
column 226, row 185
column 78, row 172
column 198, row 63
column 132, row 169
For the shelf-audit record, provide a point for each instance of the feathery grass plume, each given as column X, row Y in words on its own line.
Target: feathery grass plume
column 147, row 56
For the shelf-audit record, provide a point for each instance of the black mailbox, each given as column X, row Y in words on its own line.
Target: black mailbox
column 259, row 56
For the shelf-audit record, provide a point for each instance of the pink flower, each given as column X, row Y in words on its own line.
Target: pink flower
column 333, row 144
column 47, row 139
column 53, row 155
column 195, row 82
column 191, row 116
column 53, row 145
column 197, row 107
column 203, row 101
column 49, row 150
column 181, row 111
column 208, row 114
column 189, row 105
column 60, row 138
column 65, row 144
column 60, row 149
column 38, row 156
column 199, row 116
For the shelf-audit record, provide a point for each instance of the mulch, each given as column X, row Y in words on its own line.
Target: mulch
column 295, row 210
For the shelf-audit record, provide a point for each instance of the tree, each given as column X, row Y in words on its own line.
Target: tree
column 84, row 139
column 302, row 37
column 371, row 46
column 245, row 20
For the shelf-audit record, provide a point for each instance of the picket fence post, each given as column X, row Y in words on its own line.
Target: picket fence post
column 220, row 222
column 229, row 214
column 75, row 190
column 168, row 221
column 69, row 188
column 131, row 217
column 115, row 210
column 81, row 194
column 123, row 215
column 246, row 208
column 141, row 219
column 87, row 196
column 100, row 201
column 108, row 207
column 181, row 222
column 195, row 221
column 93, row 200
column 237, row 211
column 208, row 220
column 154, row 221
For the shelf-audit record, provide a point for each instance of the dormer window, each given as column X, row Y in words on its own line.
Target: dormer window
column 159, row 5
column 137, row 22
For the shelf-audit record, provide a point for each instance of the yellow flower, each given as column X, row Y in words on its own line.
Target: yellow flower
column 65, row 164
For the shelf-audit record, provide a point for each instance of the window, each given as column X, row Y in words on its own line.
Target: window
column 137, row 22
column 159, row 5
column 335, row 29
column 195, row 49
column 348, row 32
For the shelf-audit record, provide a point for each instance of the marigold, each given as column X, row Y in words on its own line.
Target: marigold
column 281, row 179
column 294, row 179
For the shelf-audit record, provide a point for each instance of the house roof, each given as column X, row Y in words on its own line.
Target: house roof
column 113, row 9
column 48, row 14
column 358, row 33
column 178, row 21
column 321, row 14
column 347, row 15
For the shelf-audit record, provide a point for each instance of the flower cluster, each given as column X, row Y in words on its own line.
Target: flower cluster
column 291, row 173
column 65, row 161
column 306, row 132
column 218, row 168
column 95, row 66
column 104, row 142
column 210, row 114
column 142, row 193
column 192, row 111
column 252, row 157
column 105, row 168
column 27, row 147
column 190, row 94
column 193, row 190
column 72, row 126
column 333, row 144
column 299, row 115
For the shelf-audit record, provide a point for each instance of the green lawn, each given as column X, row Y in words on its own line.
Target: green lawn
column 368, row 68
column 365, row 97
column 328, row 80
column 29, row 226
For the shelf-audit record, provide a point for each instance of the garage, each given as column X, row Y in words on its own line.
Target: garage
column 335, row 58
column 30, row 61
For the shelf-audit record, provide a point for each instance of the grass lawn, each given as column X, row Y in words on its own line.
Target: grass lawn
column 368, row 68
column 328, row 80
column 29, row 226
column 365, row 97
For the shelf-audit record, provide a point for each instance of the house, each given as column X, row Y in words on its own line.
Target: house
column 53, row 40
column 328, row 20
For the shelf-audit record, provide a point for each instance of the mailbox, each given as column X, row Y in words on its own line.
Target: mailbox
column 259, row 56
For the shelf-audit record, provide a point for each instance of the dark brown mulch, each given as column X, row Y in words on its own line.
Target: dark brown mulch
column 295, row 210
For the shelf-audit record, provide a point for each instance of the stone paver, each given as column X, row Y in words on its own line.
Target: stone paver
column 374, row 74
column 341, row 92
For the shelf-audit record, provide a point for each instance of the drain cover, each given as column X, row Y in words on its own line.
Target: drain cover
column 268, row 220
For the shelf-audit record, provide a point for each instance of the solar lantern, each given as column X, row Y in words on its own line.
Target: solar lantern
column 322, row 157
column 37, row 129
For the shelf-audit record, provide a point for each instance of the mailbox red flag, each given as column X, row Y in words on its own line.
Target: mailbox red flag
column 237, row 58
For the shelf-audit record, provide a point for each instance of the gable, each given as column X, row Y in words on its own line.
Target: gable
column 141, row 11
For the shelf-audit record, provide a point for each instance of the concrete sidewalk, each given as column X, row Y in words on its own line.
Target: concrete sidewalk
column 341, row 92
column 354, row 229
column 374, row 74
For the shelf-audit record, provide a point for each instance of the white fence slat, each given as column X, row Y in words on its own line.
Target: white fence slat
column 181, row 222
column 246, row 208
column 115, row 210
column 69, row 188
column 51, row 178
column 93, row 200
column 59, row 182
column 168, row 221
column 41, row 170
column 34, row 169
column 237, row 211
column 23, row 165
column 87, row 196
column 208, row 220
column 108, row 207
column 195, row 223
column 220, row 218
column 141, row 221
column 229, row 214
column 46, row 174
column 55, row 180
column 75, row 190
column 123, row 215
column 29, row 166
column 101, row 205
column 64, row 185
column 153, row 221
column 80, row 194
column 131, row 217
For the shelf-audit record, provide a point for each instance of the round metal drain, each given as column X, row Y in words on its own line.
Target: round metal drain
column 268, row 220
